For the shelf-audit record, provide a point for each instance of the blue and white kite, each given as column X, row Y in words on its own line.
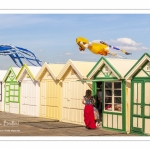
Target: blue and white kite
column 18, row 53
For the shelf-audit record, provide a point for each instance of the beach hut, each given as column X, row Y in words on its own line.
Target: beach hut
column 2, row 74
column 30, row 90
column 11, row 91
column 138, row 77
column 109, row 73
column 74, row 90
column 50, row 90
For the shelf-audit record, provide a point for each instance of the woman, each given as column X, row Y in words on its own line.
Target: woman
column 90, row 112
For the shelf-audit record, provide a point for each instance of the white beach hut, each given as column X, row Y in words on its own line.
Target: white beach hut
column 30, row 91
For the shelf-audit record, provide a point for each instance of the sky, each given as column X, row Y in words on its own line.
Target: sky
column 52, row 37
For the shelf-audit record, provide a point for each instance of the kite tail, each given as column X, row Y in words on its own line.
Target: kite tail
column 125, row 52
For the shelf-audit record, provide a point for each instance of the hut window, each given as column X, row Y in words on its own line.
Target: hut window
column 113, row 96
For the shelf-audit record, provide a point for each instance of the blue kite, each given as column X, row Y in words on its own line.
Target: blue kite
column 18, row 53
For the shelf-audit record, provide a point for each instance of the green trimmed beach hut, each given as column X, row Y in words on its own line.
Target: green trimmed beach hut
column 11, row 91
column 109, row 72
column 139, row 79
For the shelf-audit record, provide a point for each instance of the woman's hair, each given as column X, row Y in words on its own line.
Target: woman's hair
column 88, row 93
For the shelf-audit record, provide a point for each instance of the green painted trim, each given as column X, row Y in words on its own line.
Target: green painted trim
column 124, row 105
column 113, row 113
column 139, row 133
column 102, row 71
column 134, row 76
column 107, row 62
column 123, row 112
column 28, row 70
column 107, row 78
column 6, row 75
column 100, row 80
column 13, row 102
column 113, row 129
column 94, row 91
column 9, row 83
column 99, row 71
column 145, row 54
column 4, row 96
column 94, row 66
column 145, row 72
column 19, row 97
column 131, row 107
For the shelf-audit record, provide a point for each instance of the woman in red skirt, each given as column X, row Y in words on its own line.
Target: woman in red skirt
column 89, row 117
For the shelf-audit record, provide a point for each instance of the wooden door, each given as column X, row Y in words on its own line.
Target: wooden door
column 66, row 101
column 137, row 111
column 43, row 99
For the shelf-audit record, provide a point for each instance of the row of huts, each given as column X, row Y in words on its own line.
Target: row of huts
column 55, row 91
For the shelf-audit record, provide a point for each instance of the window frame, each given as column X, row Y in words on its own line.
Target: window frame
column 112, row 96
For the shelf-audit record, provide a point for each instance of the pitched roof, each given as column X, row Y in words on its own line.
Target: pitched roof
column 81, row 68
column 53, row 69
column 2, row 74
column 15, row 70
column 31, row 70
column 118, row 66
column 145, row 57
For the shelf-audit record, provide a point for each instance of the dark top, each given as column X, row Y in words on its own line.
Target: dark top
column 89, row 101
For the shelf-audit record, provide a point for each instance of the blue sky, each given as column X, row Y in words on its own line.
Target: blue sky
column 51, row 37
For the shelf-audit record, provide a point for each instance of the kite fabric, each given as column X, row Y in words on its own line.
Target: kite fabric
column 98, row 47
column 17, row 54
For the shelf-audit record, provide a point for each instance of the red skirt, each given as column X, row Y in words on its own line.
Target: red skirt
column 89, row 117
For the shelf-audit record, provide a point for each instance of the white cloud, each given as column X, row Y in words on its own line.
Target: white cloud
column 128, row 44
column 68, row 54
column 128, row 41
column 84, row 52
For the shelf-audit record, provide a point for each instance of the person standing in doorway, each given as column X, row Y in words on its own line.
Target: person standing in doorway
column 99, row 95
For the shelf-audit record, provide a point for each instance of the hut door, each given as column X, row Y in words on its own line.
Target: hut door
column 29, row 105
column 43, row 99
column 7, row 97
column 137, row 107
column 66, row 101
column 146, row 108
column 23, row 97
